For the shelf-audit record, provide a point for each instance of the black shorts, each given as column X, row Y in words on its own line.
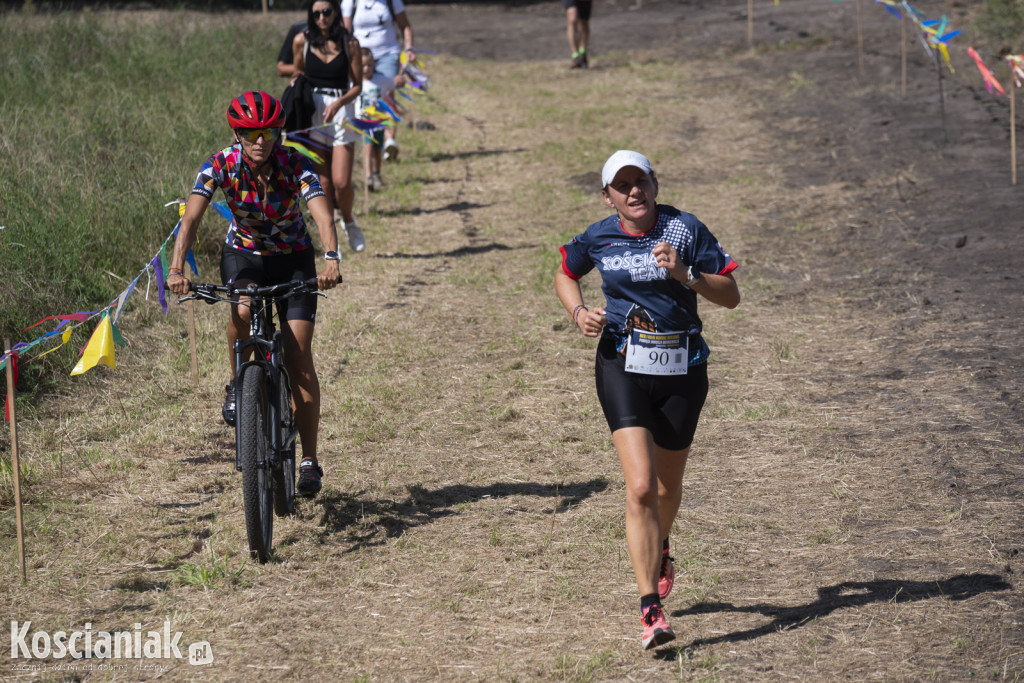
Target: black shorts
column 583, row 8
column 669, row 407
column 239, row 265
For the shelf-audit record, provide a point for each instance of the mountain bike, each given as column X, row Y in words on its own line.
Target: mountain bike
column 265, row 430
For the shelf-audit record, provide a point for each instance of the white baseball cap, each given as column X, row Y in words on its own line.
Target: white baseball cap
column 619, row 161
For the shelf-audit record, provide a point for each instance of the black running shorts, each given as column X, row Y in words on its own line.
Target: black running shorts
column 669, row 407
column 583, row 8
column 237, row 265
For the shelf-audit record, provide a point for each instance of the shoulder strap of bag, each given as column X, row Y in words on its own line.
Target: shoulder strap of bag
column 355, row 4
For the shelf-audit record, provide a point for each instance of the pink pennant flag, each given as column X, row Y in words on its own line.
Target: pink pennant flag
column 13, row 360
column 990, row 80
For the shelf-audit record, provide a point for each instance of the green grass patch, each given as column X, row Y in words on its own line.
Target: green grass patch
column 92, row 153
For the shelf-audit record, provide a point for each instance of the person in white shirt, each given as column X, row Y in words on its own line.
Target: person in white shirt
column 376, row 24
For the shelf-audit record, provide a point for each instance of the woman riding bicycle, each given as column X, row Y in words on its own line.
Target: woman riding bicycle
column 267, row 243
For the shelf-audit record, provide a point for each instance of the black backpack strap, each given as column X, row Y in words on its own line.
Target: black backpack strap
column 355, row 5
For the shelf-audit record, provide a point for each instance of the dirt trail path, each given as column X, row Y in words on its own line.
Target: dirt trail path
column 854, row 506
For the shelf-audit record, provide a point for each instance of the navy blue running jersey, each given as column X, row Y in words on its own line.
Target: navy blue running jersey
column 630, row 276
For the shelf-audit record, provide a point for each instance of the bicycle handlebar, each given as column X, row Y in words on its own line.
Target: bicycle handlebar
column 211, row 293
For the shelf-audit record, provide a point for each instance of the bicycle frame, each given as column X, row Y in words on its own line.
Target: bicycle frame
column 268, row 354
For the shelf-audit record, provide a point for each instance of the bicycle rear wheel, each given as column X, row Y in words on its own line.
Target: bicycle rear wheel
column 253, row 443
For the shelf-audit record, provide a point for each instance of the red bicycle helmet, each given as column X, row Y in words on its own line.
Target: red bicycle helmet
column 255, row 110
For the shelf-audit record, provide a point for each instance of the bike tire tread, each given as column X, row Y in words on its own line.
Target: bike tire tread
column 253, row 413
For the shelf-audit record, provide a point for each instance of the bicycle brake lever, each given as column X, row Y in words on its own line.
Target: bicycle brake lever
column 209, row 297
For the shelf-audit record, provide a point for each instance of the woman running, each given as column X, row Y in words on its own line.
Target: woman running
column 651, row 365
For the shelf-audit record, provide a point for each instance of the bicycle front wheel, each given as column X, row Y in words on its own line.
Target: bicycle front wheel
column 253, row 443
column 284, row 474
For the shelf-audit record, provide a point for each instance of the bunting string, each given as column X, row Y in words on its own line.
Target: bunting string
column 99, row 348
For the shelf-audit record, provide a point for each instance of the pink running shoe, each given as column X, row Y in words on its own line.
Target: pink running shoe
column 656, row 629
column 667, row 576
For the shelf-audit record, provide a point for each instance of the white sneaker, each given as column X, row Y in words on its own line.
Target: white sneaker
column 342, row 227
column 355, row 236
column 390, row 149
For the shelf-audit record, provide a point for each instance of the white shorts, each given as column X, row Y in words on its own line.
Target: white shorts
column 322, row 98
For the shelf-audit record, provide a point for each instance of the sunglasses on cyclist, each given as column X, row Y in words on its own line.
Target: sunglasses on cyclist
column 254, row 134
column 323, row 13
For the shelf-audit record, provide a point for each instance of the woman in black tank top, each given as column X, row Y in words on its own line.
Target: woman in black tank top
column 330, row 58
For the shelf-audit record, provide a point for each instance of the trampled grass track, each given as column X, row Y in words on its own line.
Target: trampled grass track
column 852, row 506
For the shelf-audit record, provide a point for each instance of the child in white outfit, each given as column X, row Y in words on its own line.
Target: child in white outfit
column 375, row 87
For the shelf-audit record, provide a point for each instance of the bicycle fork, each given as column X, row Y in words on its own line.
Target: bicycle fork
column 271, row 362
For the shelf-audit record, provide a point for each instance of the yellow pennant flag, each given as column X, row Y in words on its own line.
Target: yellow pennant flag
column 64, row 340
column 100, row 348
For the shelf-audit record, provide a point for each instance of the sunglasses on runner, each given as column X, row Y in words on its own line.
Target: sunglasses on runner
column 254, row 134
column 322, row 13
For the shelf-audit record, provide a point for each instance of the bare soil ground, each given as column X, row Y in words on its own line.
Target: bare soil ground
column 855, row 501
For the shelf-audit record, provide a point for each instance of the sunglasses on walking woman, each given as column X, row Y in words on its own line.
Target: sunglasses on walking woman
column 254, row 134
column 317, row 13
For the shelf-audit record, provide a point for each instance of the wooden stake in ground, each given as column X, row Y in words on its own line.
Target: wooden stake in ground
column 860, row 36
column 750, row 23
column 903, row 56
column 15, row 465
column 942, row 97
column 192, row 343
column 1013, row 131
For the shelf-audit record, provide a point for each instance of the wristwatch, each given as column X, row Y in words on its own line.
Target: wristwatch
column 332, row 256
column 692, row 275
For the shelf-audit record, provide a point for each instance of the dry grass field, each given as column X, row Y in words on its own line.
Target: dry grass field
column 854, row 505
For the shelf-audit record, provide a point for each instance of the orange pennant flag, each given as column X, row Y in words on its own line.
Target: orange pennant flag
column 100, row 348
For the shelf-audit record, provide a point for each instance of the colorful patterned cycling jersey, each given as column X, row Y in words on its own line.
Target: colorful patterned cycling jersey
column 275, row 224
column 635, row 288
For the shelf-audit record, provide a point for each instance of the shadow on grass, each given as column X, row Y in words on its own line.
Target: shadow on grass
column 370, row 522
column 449, row 156
column 454, row 207
column 461, row 251
column 840, row 596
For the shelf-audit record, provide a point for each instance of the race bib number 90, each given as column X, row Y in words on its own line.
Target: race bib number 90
column 657, row 353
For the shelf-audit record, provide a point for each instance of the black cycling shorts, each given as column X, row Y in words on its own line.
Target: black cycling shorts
column 667, row 406
column 583, row 8
column 237, row 265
